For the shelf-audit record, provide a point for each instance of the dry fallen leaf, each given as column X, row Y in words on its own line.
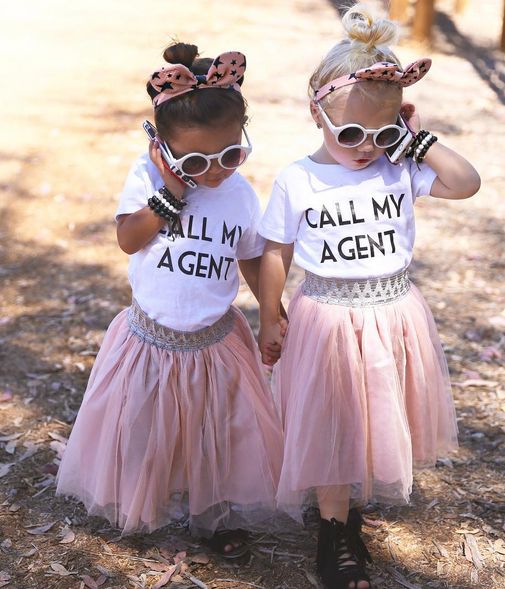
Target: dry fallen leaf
column 10, row 447
column 59, row 569
column 93, row 583
column 165, row 578
column 68, row 536
column 10, row 437
column 105, row 572
column 89, row 582
column 472, row 552
column 201, row 558
column 58, row 437
column 4, row 468
column 476, row 382
column 158, row 567
column 399, row 578
column 196, row 581
column 179, row 556
column 311, row 578
column 37, row 530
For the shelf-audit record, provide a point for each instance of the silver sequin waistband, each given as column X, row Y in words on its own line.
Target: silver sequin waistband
column 178, row 341
column 356, row 293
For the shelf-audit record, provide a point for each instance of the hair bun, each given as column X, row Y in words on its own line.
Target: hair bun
column 183, row 53
column 361, row 27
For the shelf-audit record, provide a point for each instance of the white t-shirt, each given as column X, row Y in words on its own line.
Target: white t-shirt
column 189, row 282
column 355, row 224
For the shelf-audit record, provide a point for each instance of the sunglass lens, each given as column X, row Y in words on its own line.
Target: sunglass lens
column 233, row 158
column 194, row 165
column 351, row 136
column 388, row 137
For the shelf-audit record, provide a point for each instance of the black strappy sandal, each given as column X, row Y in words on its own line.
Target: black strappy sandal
column 353, row 525
column 341, row 553
column 223, row 538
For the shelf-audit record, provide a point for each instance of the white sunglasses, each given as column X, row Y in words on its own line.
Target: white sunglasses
column 353, row 135
column 196, row 164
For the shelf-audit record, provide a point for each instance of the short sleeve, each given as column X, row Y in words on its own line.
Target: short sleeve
column 141, row 183
column 422, row 178
column 251, row 243
column 280, row 221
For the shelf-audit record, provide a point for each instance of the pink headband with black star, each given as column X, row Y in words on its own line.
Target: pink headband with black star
column 176, row 79
column 383, row 72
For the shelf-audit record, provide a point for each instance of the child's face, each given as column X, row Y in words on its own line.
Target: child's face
column 369, row 110
column 209, row 141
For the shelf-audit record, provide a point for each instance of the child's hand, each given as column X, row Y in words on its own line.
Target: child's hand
column 175, row 186
column 409, row 113
column 270, row 341
column 283, row 320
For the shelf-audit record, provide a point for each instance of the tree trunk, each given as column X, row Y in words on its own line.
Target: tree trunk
column 398, row 10
column 460, row 5
column 502, row 41
column 423, row 20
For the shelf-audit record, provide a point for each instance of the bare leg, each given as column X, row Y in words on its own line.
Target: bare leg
column 334, row 502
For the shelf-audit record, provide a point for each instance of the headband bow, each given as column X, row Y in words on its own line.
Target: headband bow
column 383, row 72
column 176, row 79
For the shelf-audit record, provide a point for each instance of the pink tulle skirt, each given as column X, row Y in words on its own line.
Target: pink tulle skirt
column 364, row 396
column 166, row 435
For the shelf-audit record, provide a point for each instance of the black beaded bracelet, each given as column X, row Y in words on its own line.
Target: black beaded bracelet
column 417, row 140
column 419, row 147
column 161, row 210
column 165, row 203
column 423, row 147
column 171, row 199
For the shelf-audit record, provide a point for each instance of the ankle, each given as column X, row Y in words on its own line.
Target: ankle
column 341, row 553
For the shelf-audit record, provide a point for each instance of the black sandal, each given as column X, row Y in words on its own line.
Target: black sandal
column 223, row 538
column 341, row 553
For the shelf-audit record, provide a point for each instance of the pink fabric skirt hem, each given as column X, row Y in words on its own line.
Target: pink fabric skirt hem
column 364, row 395
column 166, row 435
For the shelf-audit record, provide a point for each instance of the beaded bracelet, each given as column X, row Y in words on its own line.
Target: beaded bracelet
column 419, row 147
column 168, row 207
column 165, row 203
column 417, row 140
column 160, row 209
column 423, row 147
column 171, row 199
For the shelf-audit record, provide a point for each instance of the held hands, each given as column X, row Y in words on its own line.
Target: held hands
column 270, row 340
column 175, row 186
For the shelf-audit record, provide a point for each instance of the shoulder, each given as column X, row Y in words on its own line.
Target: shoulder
column 144, row 166
column 240, row 189
column 144, row 173
column 295, row 171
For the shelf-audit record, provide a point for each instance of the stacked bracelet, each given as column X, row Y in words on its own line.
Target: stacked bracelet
column 166, row 206
column 419, row 147
column 174, row 202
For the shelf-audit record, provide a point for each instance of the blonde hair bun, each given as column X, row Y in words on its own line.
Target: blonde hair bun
column 361, row 27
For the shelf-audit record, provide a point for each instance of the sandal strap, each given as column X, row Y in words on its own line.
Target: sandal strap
column 341, row 555
column 353, row 525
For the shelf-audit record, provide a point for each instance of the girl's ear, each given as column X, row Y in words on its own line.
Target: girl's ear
column 316, row 115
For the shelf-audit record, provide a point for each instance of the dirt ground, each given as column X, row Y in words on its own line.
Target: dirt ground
column 73, row 101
